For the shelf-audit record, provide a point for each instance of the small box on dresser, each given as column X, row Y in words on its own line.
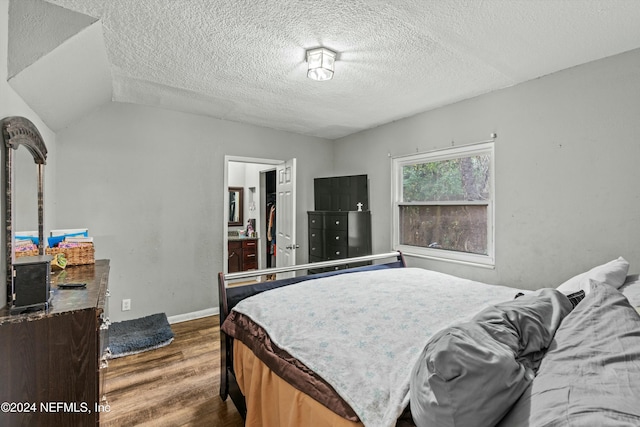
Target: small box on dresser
column 31, row 282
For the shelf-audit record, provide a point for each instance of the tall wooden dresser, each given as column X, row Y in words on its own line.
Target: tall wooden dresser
column 337, row 229
column 53, row 361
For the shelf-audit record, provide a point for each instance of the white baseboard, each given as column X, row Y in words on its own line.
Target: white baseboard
column 193, row 315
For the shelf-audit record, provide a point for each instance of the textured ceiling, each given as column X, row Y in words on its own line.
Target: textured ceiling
column 244, row 60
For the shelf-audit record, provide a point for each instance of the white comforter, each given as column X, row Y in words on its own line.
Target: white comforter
column 363, row 332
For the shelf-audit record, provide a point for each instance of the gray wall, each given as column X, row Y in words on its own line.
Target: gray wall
column 148, row 183
column 567, row 170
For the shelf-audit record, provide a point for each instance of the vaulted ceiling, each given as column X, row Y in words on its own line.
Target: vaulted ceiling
column 244, row 60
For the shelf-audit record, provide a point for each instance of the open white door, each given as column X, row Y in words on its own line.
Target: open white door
column 286, row 215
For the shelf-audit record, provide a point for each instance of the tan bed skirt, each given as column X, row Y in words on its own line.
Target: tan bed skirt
column 272, row 402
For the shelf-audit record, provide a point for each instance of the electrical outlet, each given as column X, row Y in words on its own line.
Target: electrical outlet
column 126, row 304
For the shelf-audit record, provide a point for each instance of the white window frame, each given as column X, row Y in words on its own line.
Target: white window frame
column 397, row 163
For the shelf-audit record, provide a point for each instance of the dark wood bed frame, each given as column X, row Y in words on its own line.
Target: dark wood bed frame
column 229, row 296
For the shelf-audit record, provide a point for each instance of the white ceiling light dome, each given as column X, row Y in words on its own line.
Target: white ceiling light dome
column 321, row 63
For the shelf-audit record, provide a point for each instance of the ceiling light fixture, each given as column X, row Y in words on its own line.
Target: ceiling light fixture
column 321, row 61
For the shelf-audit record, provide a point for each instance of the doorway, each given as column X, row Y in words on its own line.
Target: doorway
column 267, row 249
column 258, row 179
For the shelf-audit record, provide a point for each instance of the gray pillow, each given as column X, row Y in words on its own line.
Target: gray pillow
column 465, row 378
column 590, row 376
column 470, row 374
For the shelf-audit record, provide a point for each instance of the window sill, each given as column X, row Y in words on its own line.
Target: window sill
column 447, row 256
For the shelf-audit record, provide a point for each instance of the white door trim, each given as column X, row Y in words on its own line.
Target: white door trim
column 225, row 198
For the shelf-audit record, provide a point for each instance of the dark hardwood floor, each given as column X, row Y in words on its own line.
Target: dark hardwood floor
column 176, row 385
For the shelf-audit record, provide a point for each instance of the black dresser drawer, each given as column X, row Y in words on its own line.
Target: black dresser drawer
column 315, row 237
column 336, row 252
column 315, row 251
column 316, row 246
column 336, row 222
column 336, row 237
column 316, row 221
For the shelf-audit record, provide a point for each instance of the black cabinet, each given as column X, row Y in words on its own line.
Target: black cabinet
column 341, row 193
column 340, row 226
column 338, row 235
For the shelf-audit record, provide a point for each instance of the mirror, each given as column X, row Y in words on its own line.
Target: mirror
column 25, row 194
column 236, row 206
column 17, row 131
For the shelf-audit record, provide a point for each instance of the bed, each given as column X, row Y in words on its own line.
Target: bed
column 385, row 344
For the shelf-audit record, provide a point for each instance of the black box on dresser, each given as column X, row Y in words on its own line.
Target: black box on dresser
column 31, row 283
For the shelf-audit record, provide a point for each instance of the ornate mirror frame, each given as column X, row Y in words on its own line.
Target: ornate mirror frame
column 17, row 131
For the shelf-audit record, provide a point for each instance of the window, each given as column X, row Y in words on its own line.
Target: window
column 443, row 204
